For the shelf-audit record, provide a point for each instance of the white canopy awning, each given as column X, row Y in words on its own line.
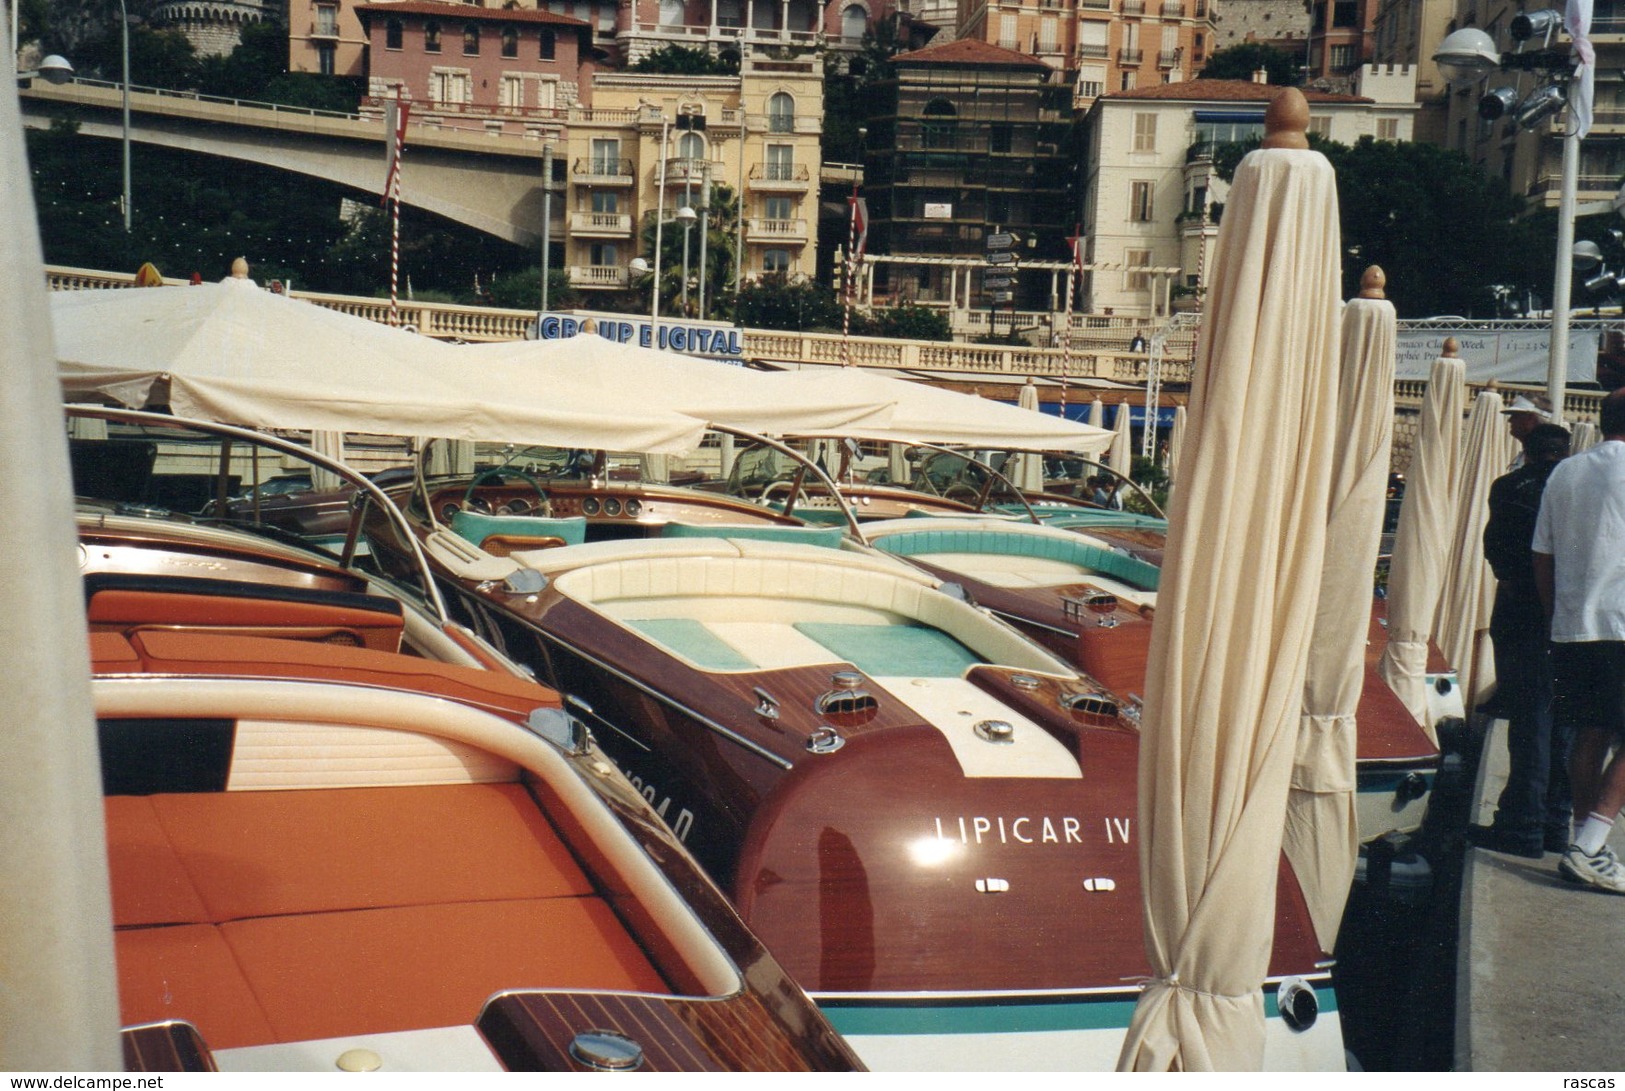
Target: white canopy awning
column 719, row 394
column 234, row 353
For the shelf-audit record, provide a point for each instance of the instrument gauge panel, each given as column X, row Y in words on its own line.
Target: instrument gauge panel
column 612, row 506
column 589, row 506
column 633, row 508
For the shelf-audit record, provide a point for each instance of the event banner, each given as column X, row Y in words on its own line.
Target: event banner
column 678, row 334
column 1509, row 356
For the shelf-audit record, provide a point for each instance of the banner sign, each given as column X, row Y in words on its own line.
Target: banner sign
column 1510, row 356
column 713, row 339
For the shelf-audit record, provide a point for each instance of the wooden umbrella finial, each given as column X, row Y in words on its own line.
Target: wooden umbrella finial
column 1451, row 345
column 239, row 268
column 1286, row 122
column 1372, row 282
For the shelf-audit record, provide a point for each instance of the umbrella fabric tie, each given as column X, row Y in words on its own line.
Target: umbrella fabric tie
column 1171, row 981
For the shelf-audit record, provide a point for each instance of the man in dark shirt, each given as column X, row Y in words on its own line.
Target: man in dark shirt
column 1532, row 815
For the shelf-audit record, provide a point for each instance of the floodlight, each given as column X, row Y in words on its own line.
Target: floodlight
column 1466, row 56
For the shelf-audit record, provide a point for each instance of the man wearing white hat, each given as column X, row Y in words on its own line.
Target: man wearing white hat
column 1523, row 414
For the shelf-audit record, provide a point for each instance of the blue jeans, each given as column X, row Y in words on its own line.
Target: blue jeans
column 1536, row 799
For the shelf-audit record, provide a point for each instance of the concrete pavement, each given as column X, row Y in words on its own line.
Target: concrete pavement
column 1541, row 962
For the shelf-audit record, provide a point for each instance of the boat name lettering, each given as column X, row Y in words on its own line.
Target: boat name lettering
column 207, row 566
column 681, row 825
column 1021, row 830
column 700, row 340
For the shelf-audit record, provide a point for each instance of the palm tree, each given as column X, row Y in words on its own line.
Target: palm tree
column 721, row 236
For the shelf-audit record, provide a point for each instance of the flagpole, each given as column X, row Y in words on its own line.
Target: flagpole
column 392, row 194
column 851, row 243
column 1073, row 267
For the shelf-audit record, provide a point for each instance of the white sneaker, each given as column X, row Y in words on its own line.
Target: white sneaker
column 1602, row 871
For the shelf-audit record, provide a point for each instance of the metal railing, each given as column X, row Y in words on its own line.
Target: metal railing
column 779, row 172
column 1130, row 56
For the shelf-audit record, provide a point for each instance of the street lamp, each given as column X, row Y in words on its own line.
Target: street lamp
column 1467, row 56
column 124, row 56
column 687, row 215
column 639, row 266
column 547, row 216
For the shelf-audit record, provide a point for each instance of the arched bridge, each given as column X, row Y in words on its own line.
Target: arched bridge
column 489, row 181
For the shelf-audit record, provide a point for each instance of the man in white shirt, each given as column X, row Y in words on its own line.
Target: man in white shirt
column 1579, row 555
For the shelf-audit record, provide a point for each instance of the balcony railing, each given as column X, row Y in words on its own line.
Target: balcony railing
column 602, row 170
column 600, row 223
column 1173, row 9
column 1096, row 5
column 1130, row 56
column 1133, row 7
column 780, row 172
column 598, row 276
column 765, row 230
column 682, row 172
column 1167, row 58
column 1099, row 52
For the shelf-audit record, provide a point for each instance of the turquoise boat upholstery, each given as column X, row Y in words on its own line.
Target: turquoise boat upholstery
column 693, row 641
column 829, row 537
column 475, row 527
column 1086, row 555
column 881, row 651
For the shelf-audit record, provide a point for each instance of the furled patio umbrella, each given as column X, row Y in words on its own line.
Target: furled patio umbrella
column 59, row 1005
column 1240, row 581
column 1176, row 443
column 1120, row 456
column 1097, row 414
column 1029, row 468
column 1426, row 516
column 1468, row 593
column 1583, row 437
column 1322, row 830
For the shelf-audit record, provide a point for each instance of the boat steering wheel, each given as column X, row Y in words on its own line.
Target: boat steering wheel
column 542, row 507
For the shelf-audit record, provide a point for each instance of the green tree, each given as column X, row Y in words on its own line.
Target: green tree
column 1239, row 62
column 522, row 290
column 676, row 60
column 776, row 303
column 911, row 322
column 158, row 58
column 1442, row 230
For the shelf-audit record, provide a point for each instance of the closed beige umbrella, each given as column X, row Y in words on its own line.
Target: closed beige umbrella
column 1097, row 414
column 1322, row 837
column 1583, row 437
column 1176, row 442
column 1029, row 468
column 1426, row 516
column 1120, row 456
column 330, row 444
column 1240, row 580
column 1468, row 593
column 59, row 1004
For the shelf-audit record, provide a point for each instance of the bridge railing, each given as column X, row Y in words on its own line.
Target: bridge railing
column 217, row 100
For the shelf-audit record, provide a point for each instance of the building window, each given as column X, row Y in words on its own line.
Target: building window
column 999, row 138
column 327, row 20
column 606, row 202
column 1007, row 31
column 1129, row 81
column 854, row 21
column 730, row 14
column 1387, row 128
column 510, row 42
column 1046, row 35
column 471, row 40
column 1137, row 260
column 1320, row 124
column 1145, row 132
column 1342, row 57
column 671, row 13
column 431, row 37
column 1346, row 13
column 776, row 261
column 781, row 165
column 691, row 146
column 393, row 33
column 324, row 58
column 449, row 88
column 604, row 254
column 938, row 129
column 1139, row 202
column 776, row 208
column 1091, row 81
column 549, row 45
column 781, row 113
column 512, row 90
column 606, row 157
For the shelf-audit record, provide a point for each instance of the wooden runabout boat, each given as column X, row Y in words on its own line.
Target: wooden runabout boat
column 1088, row 593
column 344, row 831
column 930, row 820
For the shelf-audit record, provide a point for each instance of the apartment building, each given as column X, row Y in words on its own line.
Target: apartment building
column 1531, row 160
column 1110, row 45
column 966, row 138
column 1151, row 195
column 1408, row 32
